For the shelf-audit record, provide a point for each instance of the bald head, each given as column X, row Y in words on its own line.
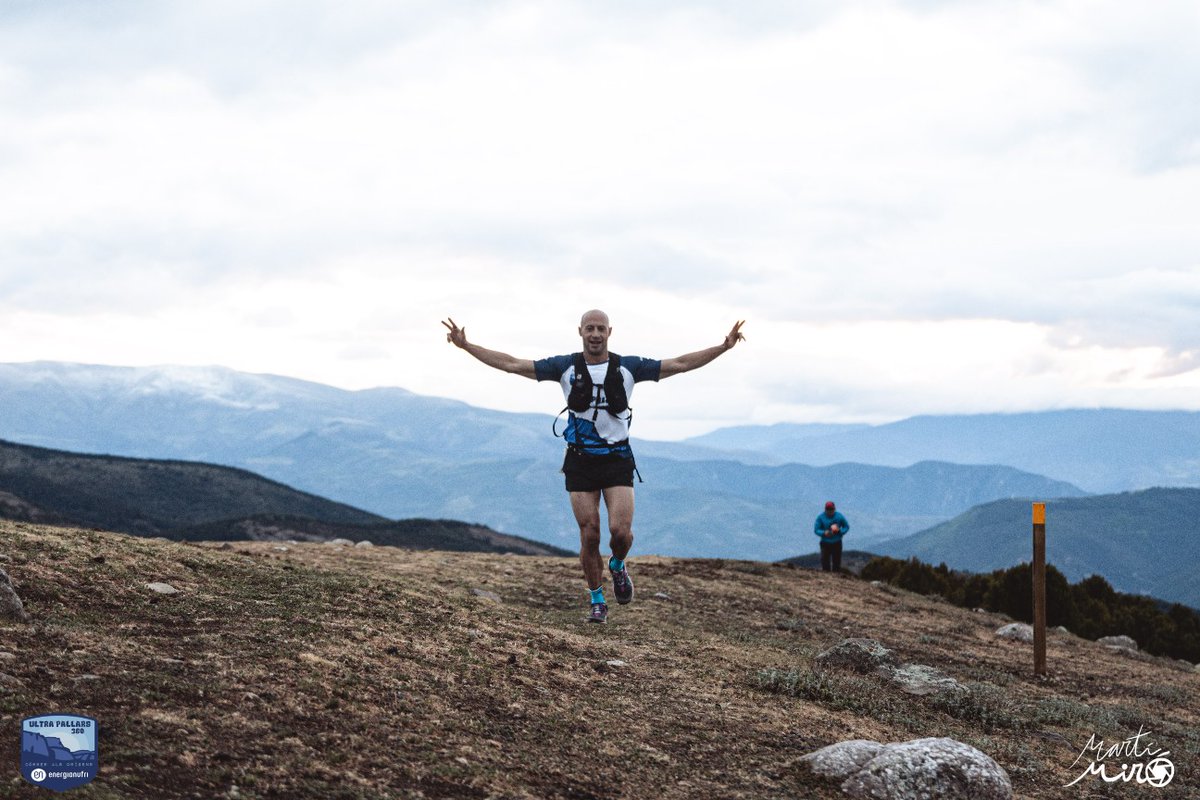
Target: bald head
column 596, row 315
column 594, row 330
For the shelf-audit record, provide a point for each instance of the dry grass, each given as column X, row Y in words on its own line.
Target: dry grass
column 324, row 672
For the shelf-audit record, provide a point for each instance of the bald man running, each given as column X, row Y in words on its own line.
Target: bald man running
column 599, row 462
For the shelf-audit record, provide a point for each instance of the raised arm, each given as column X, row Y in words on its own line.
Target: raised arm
column 493, row 358
column 674, row 366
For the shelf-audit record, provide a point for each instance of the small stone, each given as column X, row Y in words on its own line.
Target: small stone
column 860, row 655
column 281, row 548
column 4, row 656
column 486, row 595
column 610, row 665
column 162, row 588
column 790, row 624
column 9, row 680
column 1061, row 629
column 364, row 543
column 921, row 680
column 226, row 546
column 473, row 634
column 1017, row 631
column 340, row 543
column 87, row 677
column 661, row 596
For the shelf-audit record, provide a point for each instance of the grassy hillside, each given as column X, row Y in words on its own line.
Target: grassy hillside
column 1141, row 542
column 364, row 673
column 147, row 497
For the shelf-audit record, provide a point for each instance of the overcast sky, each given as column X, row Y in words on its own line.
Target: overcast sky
column 918, row 207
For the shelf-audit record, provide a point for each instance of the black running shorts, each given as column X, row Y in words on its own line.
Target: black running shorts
column 587, row 473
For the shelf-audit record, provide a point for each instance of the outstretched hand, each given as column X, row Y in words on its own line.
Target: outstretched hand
column 735, row 335
column 457, row 336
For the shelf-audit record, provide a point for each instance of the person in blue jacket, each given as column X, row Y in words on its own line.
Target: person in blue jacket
column 831, row 526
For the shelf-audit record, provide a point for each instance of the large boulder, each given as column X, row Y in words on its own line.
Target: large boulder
column 915, row 770
column 860, row 655
column 843, row 759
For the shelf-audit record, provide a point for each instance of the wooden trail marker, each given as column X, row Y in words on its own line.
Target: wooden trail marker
column 1039, row 588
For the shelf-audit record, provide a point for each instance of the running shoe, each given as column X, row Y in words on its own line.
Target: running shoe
column 622, row 584
column 599, row 613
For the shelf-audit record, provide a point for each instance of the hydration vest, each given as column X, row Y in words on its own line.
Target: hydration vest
column 584, row 393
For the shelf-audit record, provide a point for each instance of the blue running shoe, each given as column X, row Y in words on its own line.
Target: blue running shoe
column 599, row 613
column 622, row 584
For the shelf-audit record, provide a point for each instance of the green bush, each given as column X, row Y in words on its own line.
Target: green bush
column 1090, row 608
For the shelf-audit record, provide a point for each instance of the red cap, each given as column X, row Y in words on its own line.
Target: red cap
column 830, row 506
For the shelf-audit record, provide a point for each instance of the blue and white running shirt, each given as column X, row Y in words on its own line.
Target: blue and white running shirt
column 608, row 429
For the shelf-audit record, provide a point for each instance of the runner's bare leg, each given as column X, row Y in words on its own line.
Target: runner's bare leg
column 619, row 502
column 586, row 506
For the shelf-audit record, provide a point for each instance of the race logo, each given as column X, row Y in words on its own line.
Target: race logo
column 59, row 751
column 1128, row 760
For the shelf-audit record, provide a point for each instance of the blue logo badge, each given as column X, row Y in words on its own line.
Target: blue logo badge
column 59, row 751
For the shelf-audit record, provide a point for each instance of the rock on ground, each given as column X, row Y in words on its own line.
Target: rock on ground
column 915, row 770
column 922, row 680
column 162, row 588
column 1124, row 642
column 1016, row 630
column 860, row 655
column 11, row 606
column 486, row 595
column 841, row 760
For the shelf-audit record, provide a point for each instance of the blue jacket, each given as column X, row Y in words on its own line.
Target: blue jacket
column 821, row 527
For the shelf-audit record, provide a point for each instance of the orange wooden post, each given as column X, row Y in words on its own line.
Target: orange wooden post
column 1039, row 588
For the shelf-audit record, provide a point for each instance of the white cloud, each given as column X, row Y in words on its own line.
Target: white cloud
column 306, row 188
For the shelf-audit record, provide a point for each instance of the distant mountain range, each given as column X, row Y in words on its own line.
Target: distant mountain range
column 398, row 454
column 187, row 500
column 1141, row 542
column 1100, row 450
